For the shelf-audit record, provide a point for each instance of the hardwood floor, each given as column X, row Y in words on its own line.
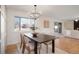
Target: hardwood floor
column 10, row 49
column 68, row 44
column 14, row 50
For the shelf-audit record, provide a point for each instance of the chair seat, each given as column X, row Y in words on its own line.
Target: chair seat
column 30, row 47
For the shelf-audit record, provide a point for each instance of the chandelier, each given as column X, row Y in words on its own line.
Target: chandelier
column 35, row 15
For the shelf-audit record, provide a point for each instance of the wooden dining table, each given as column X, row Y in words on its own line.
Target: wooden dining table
column 41, row 38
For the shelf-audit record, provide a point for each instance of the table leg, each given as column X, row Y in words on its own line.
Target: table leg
column 53, row 46
column 35, row 47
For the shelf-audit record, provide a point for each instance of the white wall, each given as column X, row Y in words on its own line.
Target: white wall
column 13, row 36
column 40, row 25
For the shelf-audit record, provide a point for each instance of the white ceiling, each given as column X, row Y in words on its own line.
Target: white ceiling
column 56, row 11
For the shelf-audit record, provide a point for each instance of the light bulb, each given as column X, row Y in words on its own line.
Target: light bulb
column 56, row 27
column 76, row 20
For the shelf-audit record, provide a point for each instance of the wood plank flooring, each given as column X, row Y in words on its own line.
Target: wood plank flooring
column 68, row 44
column 10, row 49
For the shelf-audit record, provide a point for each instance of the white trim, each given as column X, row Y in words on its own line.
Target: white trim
column 0, row 40
column 0, row 9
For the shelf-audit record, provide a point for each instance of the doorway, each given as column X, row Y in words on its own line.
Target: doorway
column 58, row 27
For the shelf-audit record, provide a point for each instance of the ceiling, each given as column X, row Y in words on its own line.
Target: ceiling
column 56, row 11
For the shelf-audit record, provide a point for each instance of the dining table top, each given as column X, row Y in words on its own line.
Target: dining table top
column 40, row 38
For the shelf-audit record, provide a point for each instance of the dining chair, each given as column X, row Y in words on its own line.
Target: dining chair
column 24, row 45
column 27, row 44
column 21, row 42
column 47, row 45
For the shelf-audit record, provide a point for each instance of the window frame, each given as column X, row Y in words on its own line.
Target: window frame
column 20, row 21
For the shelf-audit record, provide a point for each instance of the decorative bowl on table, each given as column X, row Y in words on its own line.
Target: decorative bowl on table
column 34, row 34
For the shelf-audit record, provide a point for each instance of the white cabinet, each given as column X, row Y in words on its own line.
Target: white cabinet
column 68, row 24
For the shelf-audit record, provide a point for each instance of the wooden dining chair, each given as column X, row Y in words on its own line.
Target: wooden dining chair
column 47, row 45
column 24, row 45
column 21, row 42
column 27, row 44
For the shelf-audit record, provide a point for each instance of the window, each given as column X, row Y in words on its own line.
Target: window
column 22, row 23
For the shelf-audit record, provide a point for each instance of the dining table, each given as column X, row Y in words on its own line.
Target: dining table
column 41, row 38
